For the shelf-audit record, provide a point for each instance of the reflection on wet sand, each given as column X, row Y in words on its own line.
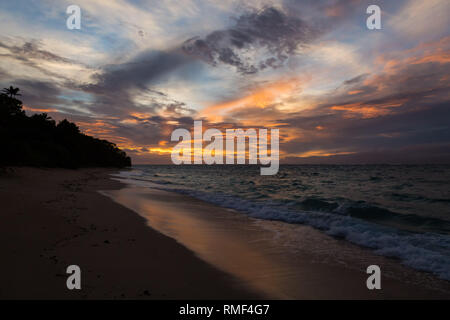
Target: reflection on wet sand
column 253, row 253
column 221, row 239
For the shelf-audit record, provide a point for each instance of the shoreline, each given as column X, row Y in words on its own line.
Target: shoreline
column 53, row 218
column 284, row 261
column 141, row 243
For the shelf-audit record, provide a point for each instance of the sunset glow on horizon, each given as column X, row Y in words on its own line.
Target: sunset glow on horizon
column 337, row 91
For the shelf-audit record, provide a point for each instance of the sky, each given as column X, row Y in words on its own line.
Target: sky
column 337, row 91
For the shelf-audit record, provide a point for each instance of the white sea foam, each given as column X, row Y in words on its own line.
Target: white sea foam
column 422, row 251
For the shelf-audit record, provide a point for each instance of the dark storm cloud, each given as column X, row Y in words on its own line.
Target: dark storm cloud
column 177, row 109
column 384, row 134
column 144, row 133
column 30, row 49
column 271, row 29
column 38, row 93
column 417, row 154
column 41, row 95
column 429, row 125
column 415, row 77
column 356, row 79
column 139, row 72
column 114, row 83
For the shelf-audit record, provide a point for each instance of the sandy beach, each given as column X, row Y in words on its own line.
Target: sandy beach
column 53, row 218
column 154, row 244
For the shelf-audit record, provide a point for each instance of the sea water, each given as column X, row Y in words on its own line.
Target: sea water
column 396, row 210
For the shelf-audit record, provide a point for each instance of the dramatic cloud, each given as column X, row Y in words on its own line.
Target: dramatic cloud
column 31, row 50
column 356, row 79
column 337, row 91
column 270, row 30
column 138, row 72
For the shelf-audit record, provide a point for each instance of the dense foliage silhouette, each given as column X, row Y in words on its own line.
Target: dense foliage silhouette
column 38, row 141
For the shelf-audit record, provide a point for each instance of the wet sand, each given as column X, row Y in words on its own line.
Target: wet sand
column 279, row 260
column 53, row 218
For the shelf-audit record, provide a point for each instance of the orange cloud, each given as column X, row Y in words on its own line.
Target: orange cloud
column 129, row 121
column 440, row 57
column 259, row 98
column 140, row 115
column 160, row 150
column 436, row 51
column 98, row 128
column 320, row 153
column 142, row 149
column 354, row 110
column 46, row 110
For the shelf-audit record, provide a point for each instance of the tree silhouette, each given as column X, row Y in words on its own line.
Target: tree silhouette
column 11, row 91
column 38, row 141
column 10, row 108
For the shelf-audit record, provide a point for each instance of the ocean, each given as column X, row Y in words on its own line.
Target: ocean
column 398, row 211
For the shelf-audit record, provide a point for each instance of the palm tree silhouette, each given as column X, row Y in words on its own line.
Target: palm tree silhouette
column 11, row 91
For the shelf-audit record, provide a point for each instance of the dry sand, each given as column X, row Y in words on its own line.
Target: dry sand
column 53, row 218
